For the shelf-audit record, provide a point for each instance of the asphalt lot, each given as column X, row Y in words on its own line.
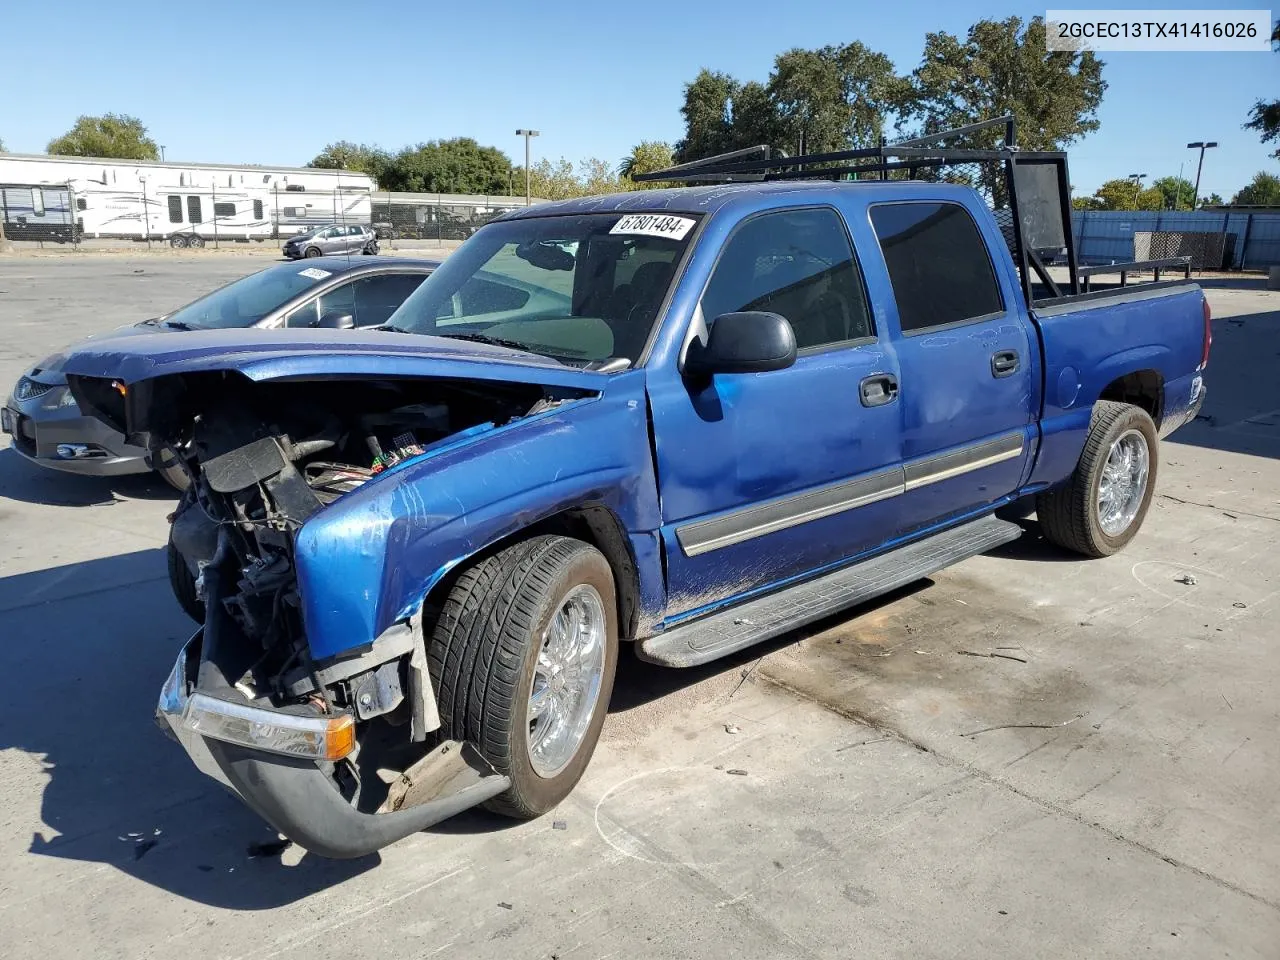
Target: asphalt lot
column 1128, row 809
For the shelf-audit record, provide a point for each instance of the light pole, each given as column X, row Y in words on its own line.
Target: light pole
column 1195, row 197
column 162, row 153
column 528, row 135
column 1137, row 179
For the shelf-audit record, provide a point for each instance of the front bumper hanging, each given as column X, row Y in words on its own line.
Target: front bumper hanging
column 283, row 782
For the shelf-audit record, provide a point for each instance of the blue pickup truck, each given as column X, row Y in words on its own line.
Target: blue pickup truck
column 687, row 420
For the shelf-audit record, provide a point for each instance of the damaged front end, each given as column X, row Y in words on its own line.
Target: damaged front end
column 340, row 753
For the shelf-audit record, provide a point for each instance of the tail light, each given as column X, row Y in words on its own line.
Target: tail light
column 1208, row 334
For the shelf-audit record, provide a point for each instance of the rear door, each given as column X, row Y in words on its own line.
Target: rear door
column 330, row 240
column 970, row 366
column 768, row 476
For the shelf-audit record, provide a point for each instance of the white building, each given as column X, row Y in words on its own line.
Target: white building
column 46, row 197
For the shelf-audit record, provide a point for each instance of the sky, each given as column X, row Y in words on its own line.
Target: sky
column 239, row 82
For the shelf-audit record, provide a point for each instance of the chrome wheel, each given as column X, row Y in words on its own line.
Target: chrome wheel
column 566, row 680
column 1123, row 484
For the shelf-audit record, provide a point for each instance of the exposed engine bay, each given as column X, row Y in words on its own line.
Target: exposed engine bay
column 264, row 457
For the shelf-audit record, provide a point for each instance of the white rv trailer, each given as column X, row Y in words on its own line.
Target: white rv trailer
column 188, row 204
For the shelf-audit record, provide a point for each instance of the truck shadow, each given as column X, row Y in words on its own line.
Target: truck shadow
column 24, row 481
column 92, row 643
column 1241, row 412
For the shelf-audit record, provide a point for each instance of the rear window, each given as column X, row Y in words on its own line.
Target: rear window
column 938, row 264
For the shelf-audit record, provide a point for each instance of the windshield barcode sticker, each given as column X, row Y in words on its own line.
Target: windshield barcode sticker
column 313, row 273
column 654, row 225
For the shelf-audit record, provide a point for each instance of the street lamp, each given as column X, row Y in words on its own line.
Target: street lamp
column 162, row 153
column 1199, row 166
column 1137, row 179
column 527, row 134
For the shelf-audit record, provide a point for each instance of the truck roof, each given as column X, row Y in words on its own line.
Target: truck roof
column 710, row 198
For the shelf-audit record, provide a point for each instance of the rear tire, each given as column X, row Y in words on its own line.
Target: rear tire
column 371, row 248
column 1072, row 516
column 195, row 240
column 183, row 583
column 490, row 656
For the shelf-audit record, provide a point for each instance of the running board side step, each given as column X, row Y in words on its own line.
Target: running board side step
column 728, row 631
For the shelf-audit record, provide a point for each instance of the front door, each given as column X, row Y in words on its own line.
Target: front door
column 768, row 476
column 970, row 370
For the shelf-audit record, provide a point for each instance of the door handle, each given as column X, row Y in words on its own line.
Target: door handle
column 878, row 389
column 1004, row 363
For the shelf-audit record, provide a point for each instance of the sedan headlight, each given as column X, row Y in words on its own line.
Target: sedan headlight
column 59, row 398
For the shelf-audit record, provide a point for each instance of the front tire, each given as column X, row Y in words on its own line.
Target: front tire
column 170, row 470
column 312, row 252
column 522, row 658
column 183, row 583
column 371, row 248
column 178, row 241
column 1102, row 505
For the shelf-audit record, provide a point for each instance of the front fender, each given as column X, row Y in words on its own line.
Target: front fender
column 368, row 560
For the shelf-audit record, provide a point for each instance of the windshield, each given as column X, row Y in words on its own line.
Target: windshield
column 577, row 288
column 246, row 301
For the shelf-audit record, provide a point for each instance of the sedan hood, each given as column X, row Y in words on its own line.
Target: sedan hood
column 50, row 369
column 309, row 354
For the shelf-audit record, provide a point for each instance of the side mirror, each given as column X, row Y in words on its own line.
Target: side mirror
column 336, row 320
column 749, row 342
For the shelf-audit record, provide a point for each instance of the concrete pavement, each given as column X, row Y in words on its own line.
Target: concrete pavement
column 1103, row 788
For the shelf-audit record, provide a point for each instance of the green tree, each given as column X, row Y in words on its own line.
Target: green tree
column 1003, row 67
column 1125, row 195
column 1178, row 194
column 1265, row 115
column 754, row 118
column 360, row 157
column 111, row 135
column 1212, row 200
column 647, row 156
column 1262, row 191
column 460, row 165
column 1150, row 199
column 597, row 176
column 551, row 181
column 833, row 98
column 708, row 115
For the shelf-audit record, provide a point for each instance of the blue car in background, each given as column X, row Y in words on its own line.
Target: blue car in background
column 685, row 419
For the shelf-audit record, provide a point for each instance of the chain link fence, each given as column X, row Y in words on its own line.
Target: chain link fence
column 434, row 216
column 207, row 216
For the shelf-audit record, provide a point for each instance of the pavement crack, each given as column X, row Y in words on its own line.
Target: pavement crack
column 1214, row 506
column 1048, row 805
